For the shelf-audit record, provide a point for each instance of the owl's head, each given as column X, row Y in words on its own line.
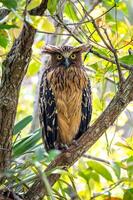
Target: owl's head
column 65, row 56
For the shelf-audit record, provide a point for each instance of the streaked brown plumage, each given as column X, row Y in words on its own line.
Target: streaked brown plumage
column 65, row 97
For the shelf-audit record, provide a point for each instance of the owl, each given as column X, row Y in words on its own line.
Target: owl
column 65, row 97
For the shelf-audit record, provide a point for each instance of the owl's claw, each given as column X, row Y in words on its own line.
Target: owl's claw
column 64, row 146
column 74, row 142
column 61, row 146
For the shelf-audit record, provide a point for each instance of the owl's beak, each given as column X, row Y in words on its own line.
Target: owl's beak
column 67, row 63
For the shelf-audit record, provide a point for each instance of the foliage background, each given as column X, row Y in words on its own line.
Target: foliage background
column 106, row 170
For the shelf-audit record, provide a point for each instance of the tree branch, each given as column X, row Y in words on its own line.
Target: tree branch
column 13, row 72
column 3, row 13
column 111, row 60
column 69, row 157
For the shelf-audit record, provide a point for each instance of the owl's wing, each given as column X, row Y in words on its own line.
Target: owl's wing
column 48, row 114
column 86, row 110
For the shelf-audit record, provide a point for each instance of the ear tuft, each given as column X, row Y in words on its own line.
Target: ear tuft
column 47, row 49
column 83, row 48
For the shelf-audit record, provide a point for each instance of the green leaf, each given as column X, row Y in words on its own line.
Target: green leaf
column 52, row 4
column 26, row 144
column 39, row 153
column 9, row 3
column 3, row 41
column 33, row 4
column 85, row 174
column 33, row 67
column 7, row 26
column 70, row 11
column 95, row 177
column 100, row 169
column 108, row 3
column 127, row 59
column 120, row 144
column 130, row 166
column 116, row 167
column 53, row 154
column 40, row 23
column 22, row 124
column 128, row 194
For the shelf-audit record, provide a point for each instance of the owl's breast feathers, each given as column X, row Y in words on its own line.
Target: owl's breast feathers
column 72, row 95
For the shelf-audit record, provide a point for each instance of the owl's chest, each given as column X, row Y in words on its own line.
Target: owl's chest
column 67, row 81
column 67, row 87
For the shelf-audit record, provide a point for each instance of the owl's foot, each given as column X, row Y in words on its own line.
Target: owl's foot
column 74, row 142
column 61, row 146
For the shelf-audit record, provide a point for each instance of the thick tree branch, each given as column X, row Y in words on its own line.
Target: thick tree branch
column 68, row 158
column 14, row 70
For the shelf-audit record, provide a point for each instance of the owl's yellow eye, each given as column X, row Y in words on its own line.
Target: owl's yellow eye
column 73, row 56
column 59, row 56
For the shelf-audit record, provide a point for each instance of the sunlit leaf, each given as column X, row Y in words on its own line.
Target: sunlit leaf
column 39, row 44
column 33, row 67
column 52, row 4
column 3, row 40
column 95, row 177
column 70, row 11
column 22, row 124
column 120, row 144
column 108, row 3
column 85, row 174
column 122, row 6
column 41, row 23
column 9, row 3
column 100, row 169
column 33, row 4
column 112, row 198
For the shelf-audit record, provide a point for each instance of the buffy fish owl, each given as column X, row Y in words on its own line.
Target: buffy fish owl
column 65, row 97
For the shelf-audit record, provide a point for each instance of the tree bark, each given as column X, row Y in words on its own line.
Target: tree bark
column 13, row 71
column 68, row 158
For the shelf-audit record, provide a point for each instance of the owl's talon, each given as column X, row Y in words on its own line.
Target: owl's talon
column 74, row 142
column 61, row 146
column 64, row 146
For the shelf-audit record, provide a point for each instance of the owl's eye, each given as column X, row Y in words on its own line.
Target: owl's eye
column 73, row 56
column 59, row 57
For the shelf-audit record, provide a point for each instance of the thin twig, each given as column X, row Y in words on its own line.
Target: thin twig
column 121, row 78
column 74, row 36
column 63, row 34
column 107, row 190
column 128, row 43
column 97, row 159
column 87, row 21
column 111, row 60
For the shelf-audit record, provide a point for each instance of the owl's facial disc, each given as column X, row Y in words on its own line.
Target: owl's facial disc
column 66, row 59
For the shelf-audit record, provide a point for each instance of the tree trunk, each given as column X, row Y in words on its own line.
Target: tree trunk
column 13, row 71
